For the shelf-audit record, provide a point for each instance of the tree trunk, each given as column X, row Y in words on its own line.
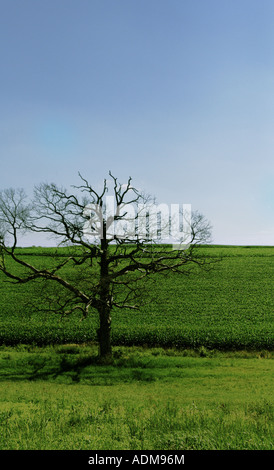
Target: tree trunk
column 104, row 335
column 104, row 331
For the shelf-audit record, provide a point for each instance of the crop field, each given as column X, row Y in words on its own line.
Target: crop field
column 228, row 308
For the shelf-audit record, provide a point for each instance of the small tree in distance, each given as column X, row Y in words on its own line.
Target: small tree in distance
column 112, row 247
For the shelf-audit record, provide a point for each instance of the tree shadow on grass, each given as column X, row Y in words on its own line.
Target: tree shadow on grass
column 69, row 369
column 39, row 367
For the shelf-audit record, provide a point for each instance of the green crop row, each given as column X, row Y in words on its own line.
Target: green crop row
column 230, row 307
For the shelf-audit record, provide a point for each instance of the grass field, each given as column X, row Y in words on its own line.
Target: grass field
column 149, row 399
column 231, row 307
column 193, row 368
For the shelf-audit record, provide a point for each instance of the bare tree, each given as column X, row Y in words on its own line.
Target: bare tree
column 108, row 243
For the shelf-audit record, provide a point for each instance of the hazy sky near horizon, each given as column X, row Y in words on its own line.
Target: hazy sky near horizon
column 178, row 94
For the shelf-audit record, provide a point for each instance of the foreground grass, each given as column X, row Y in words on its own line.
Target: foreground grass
column 149, row 399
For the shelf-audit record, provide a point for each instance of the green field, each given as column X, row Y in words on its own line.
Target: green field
column 192, row 370
column 57, row 397
column 228, row 308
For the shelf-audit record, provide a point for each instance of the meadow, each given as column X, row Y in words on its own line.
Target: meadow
column 192, row 370
column 57, row 397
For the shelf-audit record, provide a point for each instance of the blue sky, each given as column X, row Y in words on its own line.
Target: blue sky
column 178, row 94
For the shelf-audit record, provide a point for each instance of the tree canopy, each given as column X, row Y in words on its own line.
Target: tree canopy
column 113, row 241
